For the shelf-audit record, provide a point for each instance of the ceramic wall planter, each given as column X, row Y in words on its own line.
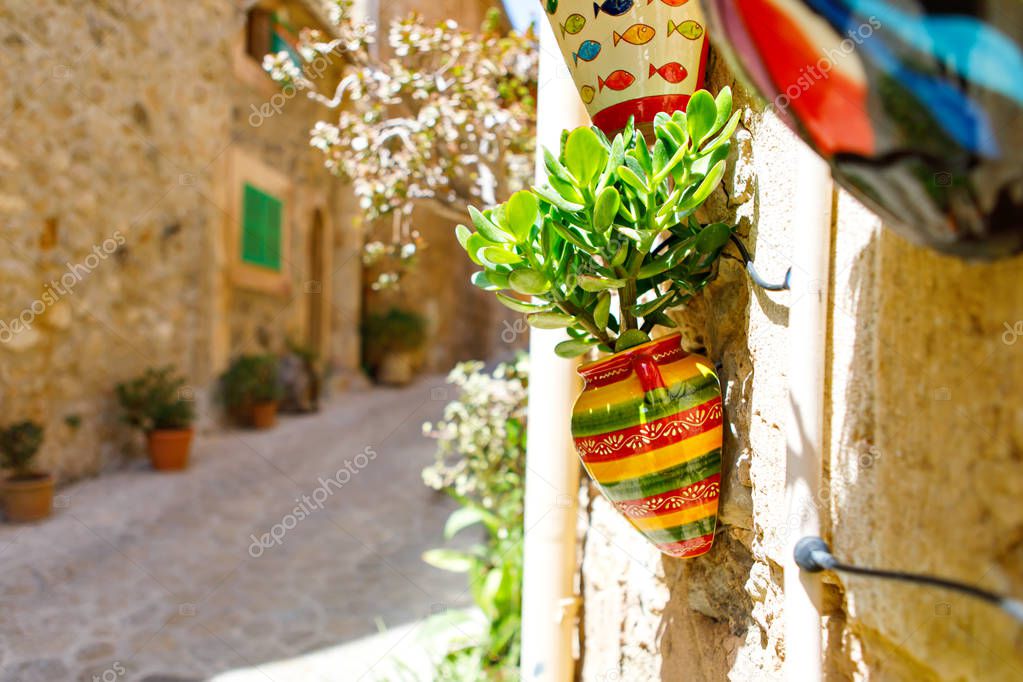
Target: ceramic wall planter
column 647, row 427
column 169, row 448
column 28, row 498
column 631, row 57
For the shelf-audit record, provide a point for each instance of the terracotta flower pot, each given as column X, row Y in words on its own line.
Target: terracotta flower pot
column 396, row 369
column 264, row 415
column 647, row 427
column 28, row 498
column 631, row 57
column 169, row 448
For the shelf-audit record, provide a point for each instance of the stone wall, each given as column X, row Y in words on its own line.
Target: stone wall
column 922, row 469
column 118, row 119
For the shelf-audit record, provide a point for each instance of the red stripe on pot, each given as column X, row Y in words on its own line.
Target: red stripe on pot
column 618, row 367
column 673, row 500
column 612, row 119
column 688, row 548
column 636, row 440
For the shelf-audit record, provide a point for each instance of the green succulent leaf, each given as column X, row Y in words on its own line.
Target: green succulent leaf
column 700, row 116
column 474, row 244
column 522, row 212
column 573, row 348
column 602, row 310
column 555, row 169
column 631, row 339
column 584, row 154
column 555, row 199
column 606, row 208
column 462, row 234
column 595, row 284
column 521, row 306
column 713, row 238
column 631, row 178
column 499, row 256
column 708, row 185
column 490, row 280
column 487, row 227
column 653, row 306
column 528, row 281
column 723, row 107
column 550, row 320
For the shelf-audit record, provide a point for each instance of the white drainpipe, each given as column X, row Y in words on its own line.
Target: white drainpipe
column 552, row 468
column 808, row 315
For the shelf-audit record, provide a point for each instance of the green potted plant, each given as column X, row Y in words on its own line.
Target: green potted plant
column 159, row 405
column 604, row 249
column 251, row 390
column 391, row 342
column 28, row 494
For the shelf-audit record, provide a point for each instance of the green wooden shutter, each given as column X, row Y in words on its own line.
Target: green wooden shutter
column 261, row 228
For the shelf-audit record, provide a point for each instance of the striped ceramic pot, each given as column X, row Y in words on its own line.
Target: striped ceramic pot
column 631, row 57
column 647, row 427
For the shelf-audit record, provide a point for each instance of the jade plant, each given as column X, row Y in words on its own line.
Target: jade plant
column 615, row 223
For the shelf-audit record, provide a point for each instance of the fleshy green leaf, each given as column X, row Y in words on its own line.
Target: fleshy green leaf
column 521, row 306
column 595, row 284
column 573, row 348
column 521, row 213
column 490, row 280
column 584, row 154
column 461, row 519
column 630, row 339
column 710, row 182
column 606, row 208
column 550, row 320
column 552, row 197
column 462, row 234
column 700, row 115
column 602, row 310
column 630, row 178
column 723, row 107
column 713, row 237
column 487, row 227
column 528, row 281
column 474, row 244
column 499, row 256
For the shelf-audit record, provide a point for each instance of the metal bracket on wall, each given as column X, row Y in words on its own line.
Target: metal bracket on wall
column 755, row 276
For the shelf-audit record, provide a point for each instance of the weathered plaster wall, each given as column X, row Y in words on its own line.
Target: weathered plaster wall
column 924, row 432
column 116, row 120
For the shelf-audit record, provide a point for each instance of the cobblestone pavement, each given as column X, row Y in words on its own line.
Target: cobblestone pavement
column 156, row 577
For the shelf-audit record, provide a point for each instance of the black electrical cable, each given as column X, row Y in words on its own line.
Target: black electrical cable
column 755, row 276
column 812, row 554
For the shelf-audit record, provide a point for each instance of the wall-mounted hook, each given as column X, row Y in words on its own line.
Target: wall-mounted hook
column 755, row 276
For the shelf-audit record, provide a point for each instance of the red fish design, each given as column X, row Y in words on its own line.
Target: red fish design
column 616, row 80
column 673, row 72
column 670, row 3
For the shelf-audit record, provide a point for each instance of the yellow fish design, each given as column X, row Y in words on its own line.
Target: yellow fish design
column 637, row 34
column 688, row 29
column 587, row 92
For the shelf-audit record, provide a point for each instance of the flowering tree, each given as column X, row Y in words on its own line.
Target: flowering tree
column 447, row 120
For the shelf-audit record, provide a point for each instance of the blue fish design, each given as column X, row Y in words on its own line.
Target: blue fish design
column 588, row 51
column 615, row 8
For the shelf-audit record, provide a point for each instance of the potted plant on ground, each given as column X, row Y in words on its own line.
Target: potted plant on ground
column 159, row 405
column 390, row 344
column 616, row 225
column 28, row 494
column 251, row 390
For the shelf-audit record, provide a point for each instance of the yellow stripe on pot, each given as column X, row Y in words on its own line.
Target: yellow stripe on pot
column 678, row 518
column 656, row 460
column 627, row 389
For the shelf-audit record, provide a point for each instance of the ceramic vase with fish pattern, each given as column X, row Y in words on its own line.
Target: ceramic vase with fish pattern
column 648, row 429
column 631, row 57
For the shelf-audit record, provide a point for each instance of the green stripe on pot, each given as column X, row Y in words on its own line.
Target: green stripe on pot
column 688, row 531
column 683, row 396
column 662, row 481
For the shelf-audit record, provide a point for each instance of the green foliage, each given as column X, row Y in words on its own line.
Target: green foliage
column 250, row 379
column 18, row 445
column 615, row 221
column 481, row 449
column 156, row 400
column 394, row 332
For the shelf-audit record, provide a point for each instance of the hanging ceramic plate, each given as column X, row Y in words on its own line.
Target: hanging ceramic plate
column 918, row 106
